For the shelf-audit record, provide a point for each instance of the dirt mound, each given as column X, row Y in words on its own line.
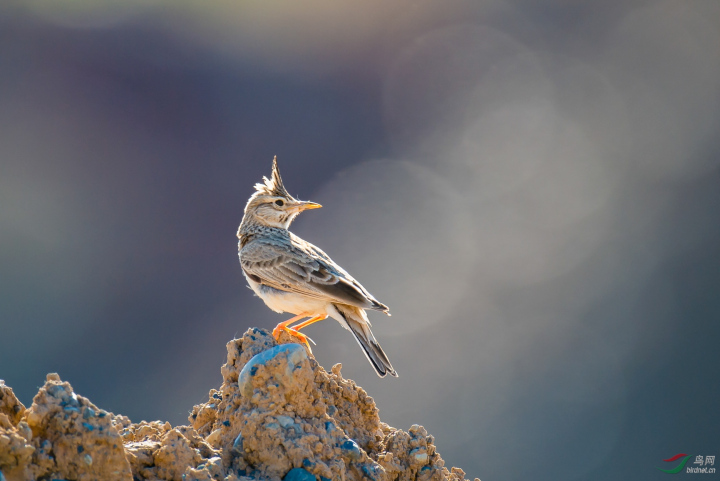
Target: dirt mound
column 61, row 436
column 277, row 415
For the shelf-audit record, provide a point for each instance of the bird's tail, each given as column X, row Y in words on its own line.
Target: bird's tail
column 358, row 324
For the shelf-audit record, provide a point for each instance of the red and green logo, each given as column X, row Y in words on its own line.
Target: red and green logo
column 679, row 467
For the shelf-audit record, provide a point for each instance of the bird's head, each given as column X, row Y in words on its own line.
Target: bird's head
column 272, row 205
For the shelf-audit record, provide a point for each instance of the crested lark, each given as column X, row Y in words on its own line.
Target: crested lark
column 292, row 275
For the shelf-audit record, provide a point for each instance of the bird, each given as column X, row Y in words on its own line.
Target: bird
column 292, row 275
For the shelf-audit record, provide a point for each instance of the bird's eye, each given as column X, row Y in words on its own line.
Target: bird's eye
column 279, row 203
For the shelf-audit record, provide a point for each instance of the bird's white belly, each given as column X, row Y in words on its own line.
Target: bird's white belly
column 282, row 301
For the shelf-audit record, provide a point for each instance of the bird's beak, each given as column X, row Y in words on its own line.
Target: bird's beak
column 301, row 205
column 308, row 205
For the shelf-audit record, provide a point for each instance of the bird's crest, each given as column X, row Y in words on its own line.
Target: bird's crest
column 274, row 185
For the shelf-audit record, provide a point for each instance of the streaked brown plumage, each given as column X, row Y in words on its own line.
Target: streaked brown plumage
column 292, row 275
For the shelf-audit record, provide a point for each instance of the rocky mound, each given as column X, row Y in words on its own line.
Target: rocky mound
column 277, row 415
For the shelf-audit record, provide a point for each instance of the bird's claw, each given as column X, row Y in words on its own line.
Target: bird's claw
column 292, row 332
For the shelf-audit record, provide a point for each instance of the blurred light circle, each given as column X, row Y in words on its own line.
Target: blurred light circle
column 555, row 216
column 403, row 232
column 449, row 75
column 585, row 96
column 500, row 151
column 665, row 61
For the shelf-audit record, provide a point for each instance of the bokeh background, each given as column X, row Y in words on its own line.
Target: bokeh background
column 531, row 186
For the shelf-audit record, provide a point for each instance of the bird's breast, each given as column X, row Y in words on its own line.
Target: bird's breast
column 284, row 301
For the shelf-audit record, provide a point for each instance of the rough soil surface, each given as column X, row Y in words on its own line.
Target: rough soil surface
column 277, row 415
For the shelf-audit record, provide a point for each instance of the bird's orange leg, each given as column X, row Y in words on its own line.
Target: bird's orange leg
column 295, row 330
column 284, row 326
column 309, row 321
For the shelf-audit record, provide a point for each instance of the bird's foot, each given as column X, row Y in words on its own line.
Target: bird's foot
column 292, row 332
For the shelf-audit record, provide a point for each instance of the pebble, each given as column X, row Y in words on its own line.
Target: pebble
column 214, row 463
column 88, row 459
column 298, row 474
column 370, row 471
column 295, row 353
column 351, row 450
column 420, row 455
column 88, row 413
column 213, row 437
column 56, row 390
column 285, row 421
column 238, row 444
column 25, row 431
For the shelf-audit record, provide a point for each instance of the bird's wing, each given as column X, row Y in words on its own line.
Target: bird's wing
column 298, row 266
